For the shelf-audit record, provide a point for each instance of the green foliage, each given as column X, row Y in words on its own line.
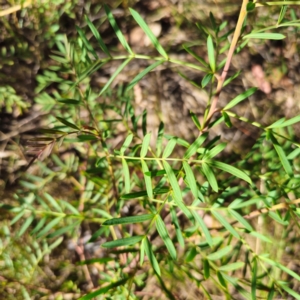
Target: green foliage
column 190, row 195
column 11, row 101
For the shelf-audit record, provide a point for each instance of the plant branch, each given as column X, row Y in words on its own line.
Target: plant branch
column 236, row 35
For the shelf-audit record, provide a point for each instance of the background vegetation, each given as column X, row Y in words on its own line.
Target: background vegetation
column 133, row 166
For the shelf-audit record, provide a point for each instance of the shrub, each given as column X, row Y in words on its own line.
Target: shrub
column 163, row 206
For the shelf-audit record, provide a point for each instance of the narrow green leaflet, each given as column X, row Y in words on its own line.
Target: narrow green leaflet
column 151, row 256
column 128, row 220
column 220, row 253
column 206, row 80
column 215, row 151
column 210, row 176
column 211, row 53
column 260, row 236
column 148, row 32
column 114, row 75
column 97, row 36
column 226, row 119
column 86, row 42
column 169, row 147
column 253, row 278
column 203, row 228
column 25, row 225
column 126, row 175
column 103, row 290
column 177, row 196
column 89, row 71
column 240, row 98
column 282, row 14
column 232, row 170
column 231, row 78
column 206, row 268
column 144, row 122
column 136, row 79
column 123, row 242
column 17, row 217
column 117, row 30
column 53, row 202
column 159, row 191
column 239, row 218
column 280, row 266
column 281, row 154
column 190, row 179
column 145, row 145
column 285, row 123
column 87, row 137
column 64, row 230
column 225, row 223
column 294, row 154
column 159, row 139
column 232, row 267
column 59, row 59
column 195, row 120
column 142, row 252
column 68, row 124
column 191, row 52
column 192, row 149
column 162, row 230
column 265, row 36
column 49, row 226
column 39, row 225
column 177, row 227
column 126, row 143
column 69, row 101
column 147, row 179
column 290, row 291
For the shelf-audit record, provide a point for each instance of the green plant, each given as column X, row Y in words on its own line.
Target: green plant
column 198, row 217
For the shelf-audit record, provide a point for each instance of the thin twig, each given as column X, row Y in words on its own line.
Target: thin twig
column 236, row 35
